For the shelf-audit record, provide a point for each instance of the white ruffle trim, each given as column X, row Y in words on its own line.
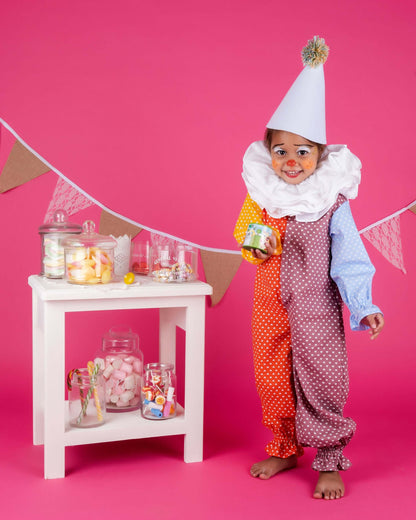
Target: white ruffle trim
column 338, row 172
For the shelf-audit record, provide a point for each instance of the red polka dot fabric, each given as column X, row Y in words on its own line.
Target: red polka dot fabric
column 272, row 354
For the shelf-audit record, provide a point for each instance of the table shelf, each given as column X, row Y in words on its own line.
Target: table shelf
column 124, row 426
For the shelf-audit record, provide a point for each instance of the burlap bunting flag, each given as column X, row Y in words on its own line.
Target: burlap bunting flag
column 21, row 166
column 111, row 225
column 220, row 269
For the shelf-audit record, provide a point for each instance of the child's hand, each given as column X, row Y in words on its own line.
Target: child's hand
column 375, row 322
column 271, row 244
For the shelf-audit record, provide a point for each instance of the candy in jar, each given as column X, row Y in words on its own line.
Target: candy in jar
column 122, row 364
column 89, row 257
column 159, row 391
column 86, row 396
column 52, row 249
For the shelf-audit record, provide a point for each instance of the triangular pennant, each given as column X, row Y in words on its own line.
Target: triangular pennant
column 413, row 209
column 220, row 269
column 66, row 197
column 21, row 166
column 111, row 225
column 386, row 238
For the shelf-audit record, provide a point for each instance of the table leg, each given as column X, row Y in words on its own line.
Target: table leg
column 54, row 398
column 194, row 380
column 169, row 318
column 38, row 379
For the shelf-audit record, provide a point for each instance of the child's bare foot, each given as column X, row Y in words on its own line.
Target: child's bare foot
column 269, row 467
column 329, row 485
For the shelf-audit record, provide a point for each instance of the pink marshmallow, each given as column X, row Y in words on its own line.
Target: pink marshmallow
column 119, row 374
column 118, row 389
column 126, row 367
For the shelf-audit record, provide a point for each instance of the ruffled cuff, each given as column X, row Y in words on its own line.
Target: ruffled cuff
column 330, row 459
column 283, row 449
column 355, row 319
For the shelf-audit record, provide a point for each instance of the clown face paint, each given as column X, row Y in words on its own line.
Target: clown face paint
column 294, row 158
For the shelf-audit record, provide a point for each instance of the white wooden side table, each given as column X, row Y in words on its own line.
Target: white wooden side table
column 179, row 304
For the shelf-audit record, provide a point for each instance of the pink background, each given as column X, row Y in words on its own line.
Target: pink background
column 149, row 107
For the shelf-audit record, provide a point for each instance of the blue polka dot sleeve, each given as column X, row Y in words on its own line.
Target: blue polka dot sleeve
column 351, row 268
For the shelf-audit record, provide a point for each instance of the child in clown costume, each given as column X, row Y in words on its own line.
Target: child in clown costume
column 300, row 187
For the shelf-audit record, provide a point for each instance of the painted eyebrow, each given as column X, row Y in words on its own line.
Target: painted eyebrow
column 282, row 144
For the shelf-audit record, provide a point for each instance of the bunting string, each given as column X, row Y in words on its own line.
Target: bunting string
column 108, row 210
column 24, row 164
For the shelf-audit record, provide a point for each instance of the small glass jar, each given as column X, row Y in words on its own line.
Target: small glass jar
column 86, row 397
column 122, row 364
column 159, row 391
column 52, row 251
column 175, row 264
column 89, row 257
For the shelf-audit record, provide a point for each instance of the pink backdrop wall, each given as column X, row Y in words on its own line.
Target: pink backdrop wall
column 149, row 107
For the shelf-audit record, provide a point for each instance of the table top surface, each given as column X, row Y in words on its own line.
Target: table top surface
column 144, row 286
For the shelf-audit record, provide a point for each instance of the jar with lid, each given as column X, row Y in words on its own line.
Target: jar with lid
column 52, row 251
column 159, row 391
column 122, row 363
column 89, row 257
column 86, row 398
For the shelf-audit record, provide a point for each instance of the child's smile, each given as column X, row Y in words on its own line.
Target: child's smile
column 294, row 158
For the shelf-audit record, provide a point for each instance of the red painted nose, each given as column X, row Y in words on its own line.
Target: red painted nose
column 291, row 162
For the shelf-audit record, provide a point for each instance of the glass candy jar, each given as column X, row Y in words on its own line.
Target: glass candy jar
column 159, row 391
column 122, row 365
column 86, row 397
column 52, row 251
column 89, row 257
column 175, row 264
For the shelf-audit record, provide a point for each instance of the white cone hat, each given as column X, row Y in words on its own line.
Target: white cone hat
column 302, row 110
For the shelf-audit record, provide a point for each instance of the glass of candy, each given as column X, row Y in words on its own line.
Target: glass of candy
column 122, row 364
column 89, row 257
column 86, row 397
column 159, row 391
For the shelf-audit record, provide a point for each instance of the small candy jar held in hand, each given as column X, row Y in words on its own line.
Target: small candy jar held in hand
column 86, row 396
column 122, row 364
column 52, row 251
column 89, row 257
column 159, row 391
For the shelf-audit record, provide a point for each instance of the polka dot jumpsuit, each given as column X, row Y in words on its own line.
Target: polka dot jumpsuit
column 300, row 358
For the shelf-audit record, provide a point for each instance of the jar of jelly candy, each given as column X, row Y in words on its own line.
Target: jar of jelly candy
column 122, row 364
column 89, row 257
column 52, row 250
column 86, row 397
column 159, row 391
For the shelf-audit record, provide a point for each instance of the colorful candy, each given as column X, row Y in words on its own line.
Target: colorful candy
column 176, row 273
column 53, row 258
column 88, row 265
column 158, row 399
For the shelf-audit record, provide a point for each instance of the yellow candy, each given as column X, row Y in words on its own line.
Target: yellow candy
column 106, row 276
column 129, row 278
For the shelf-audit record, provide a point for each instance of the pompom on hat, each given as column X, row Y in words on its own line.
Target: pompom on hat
column 302, row 110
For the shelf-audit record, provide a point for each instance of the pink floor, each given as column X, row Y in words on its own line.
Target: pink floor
column 147, row 479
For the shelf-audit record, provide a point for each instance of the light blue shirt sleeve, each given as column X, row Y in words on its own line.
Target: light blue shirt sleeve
column 351, row 268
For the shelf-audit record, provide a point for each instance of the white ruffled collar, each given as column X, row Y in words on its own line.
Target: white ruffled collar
column 338, row 172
